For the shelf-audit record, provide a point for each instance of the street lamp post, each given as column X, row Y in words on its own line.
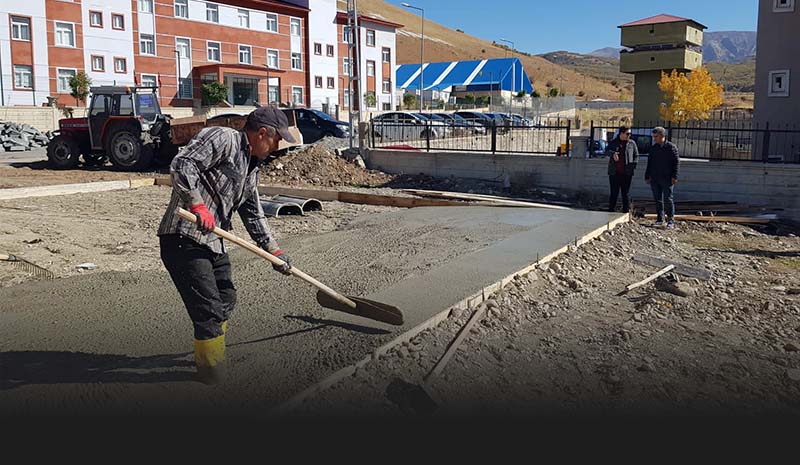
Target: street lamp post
column 268, row 82
column 178, row 79
column 513, row 69
column 421, row 57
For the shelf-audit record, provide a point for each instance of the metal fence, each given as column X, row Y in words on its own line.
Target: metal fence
column 718, row 140
column 545, row 138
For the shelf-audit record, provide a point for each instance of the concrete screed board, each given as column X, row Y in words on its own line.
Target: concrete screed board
column 122, row 341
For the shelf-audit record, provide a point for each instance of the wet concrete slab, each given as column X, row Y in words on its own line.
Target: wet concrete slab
column 121, row 341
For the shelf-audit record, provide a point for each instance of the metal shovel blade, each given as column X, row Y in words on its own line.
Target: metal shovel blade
column 364, row 308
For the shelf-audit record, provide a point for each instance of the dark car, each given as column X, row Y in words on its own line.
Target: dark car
column 462, row 126
column 315, row 125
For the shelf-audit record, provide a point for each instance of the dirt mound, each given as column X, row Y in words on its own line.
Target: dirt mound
column 318, row 166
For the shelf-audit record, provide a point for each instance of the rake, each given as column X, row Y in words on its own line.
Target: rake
column 27, row 266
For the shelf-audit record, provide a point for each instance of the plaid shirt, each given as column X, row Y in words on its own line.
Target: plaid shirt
column 215, row 168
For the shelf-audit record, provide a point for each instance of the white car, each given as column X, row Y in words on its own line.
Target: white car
column 407, row 126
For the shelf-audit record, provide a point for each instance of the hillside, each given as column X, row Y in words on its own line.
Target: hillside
column 600, row 68
column 445, row 44
column 729, row 46
column 738, row 77
column 608, row 52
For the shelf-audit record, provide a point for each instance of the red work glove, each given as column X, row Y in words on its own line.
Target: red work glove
column 287, row 263
column 205, row 220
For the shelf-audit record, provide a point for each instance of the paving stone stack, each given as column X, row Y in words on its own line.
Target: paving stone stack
column 21, row 137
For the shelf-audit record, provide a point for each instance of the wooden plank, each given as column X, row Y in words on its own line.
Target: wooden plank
column 402, row 202
column 485, row 198
column 480, row 312
column 146, row 182
column 649, row 279
column 163, row 181
column 63, row 189
column 718, row 219
column 680, row 268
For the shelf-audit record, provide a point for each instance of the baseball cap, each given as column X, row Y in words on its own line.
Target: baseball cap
column 273, row 117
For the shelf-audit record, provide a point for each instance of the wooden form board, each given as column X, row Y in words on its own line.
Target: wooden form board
column 718, row 219
column 66, row 189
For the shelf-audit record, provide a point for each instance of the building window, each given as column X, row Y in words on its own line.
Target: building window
column 272, row 59
column 146, row 6
column 370, row 38
column 98, row 63
column 272, row 22
column 346, row 66
column 347, row 35
column 295, row 23
column 117, row 22
column 297, row 95
column 20, row 28
column 387, row 86
column 244, row 18
column 184, row 47
column 652, row 59
column 212, row 12
column 387, row 106
column 346, row 98
column 318, row 82
column 65, row 34
column 297, row 63
column 317, row 49
column 331, row 83
column 181, row 8
column 120, row 65
column 387, row 55
column 273, row 95
column 63, row 76
column 149, row 80
column 147, row 44
column 374, row 99
column 214, row 51
column 370, row 68
column 779, row 83
column 783, row 6
column 96, row 18
column 330, row 50
column 23, row 77
column 245, row 55
column 185, row 88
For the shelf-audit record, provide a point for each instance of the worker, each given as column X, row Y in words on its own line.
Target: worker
column 214, row 176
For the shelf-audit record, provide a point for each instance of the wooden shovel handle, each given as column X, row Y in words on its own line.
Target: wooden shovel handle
column 5, row 257
column 188, row 216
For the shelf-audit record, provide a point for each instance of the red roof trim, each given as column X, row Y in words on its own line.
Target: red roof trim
column 662, row 19
column 341, row 18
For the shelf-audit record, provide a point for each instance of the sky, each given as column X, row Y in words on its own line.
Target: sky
column 581, row 26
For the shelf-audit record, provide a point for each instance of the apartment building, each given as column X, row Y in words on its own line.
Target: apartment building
column 377, row 38
column 266, row 51
column 778, row 63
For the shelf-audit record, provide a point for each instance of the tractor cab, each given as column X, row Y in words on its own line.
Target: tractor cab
column 115, row 103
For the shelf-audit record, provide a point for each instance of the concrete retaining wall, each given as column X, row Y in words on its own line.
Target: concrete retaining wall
column 752, row 183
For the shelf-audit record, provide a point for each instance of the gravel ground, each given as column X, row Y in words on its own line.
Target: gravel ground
column 560, row 341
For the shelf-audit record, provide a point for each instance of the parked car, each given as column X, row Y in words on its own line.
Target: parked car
column 643, row 138
column 485, row 120
column 437, row 121
column 597, row 148
column 406, row 126
column 461, row 126
column 316, row 125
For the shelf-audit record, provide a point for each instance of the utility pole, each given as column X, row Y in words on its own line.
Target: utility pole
column 421, row 57
column 513, row 71
column 354, row 80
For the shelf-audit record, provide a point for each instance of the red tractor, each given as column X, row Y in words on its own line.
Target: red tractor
column 125, row 124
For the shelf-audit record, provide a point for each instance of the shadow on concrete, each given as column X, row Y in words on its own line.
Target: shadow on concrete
column 758, row 253
column 22, row 368
column 320, row 325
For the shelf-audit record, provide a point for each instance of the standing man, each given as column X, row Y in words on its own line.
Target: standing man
column 215, row 176
column 662, row 175
column 623, row 158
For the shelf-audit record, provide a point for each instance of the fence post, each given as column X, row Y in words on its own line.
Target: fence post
column 669, row 131
column 428, row 136
column 569, row 126
column 372, row 132
column 765, row 143
column 591, row 135
column 494, row 136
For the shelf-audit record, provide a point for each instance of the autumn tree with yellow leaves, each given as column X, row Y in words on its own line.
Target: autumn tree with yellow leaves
column 689, row 97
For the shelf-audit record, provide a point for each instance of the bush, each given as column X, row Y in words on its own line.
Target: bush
column 214, row 92
column 536, row 94
column 469, row 99
column 370, row 100
column 409, row 100
column 554, row 92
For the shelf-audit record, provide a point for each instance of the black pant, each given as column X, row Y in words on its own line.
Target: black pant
column 623, row 182
column 203, row 279
column 662, row 193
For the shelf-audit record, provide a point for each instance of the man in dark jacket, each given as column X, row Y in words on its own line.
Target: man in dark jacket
column 623, row 156
column 662, row 175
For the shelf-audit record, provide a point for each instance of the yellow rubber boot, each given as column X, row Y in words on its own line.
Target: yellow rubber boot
column 209, row 356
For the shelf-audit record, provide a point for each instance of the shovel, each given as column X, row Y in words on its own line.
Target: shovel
column 421, row 399
column 326, row 296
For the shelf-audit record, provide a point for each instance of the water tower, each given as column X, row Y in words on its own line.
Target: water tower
column 656, row 44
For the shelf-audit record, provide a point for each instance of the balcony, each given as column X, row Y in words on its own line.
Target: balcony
column 654, row 60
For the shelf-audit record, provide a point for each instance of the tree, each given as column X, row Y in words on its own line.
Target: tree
column 214, row 92
column 469, row 99
column 689, row 97
column 79, row 86
column 482, row 100
column 536, row 94
column 554, row 92
column 409, row 100
column 521, row 94
column 370, row 100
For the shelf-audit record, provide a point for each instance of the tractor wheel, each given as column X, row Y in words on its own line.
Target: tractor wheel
column 62, row 153
column 127, row 151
